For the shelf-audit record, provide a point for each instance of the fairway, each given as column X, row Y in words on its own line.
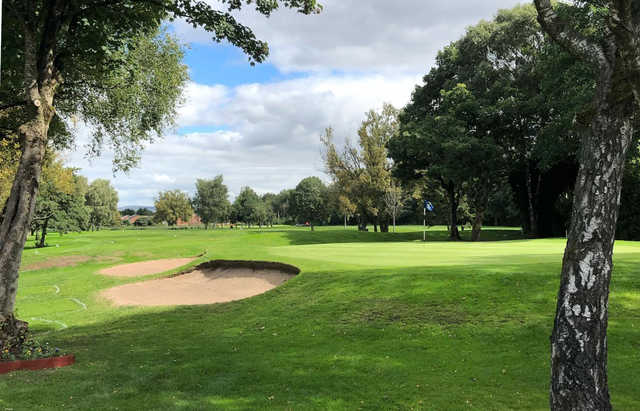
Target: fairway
column 373, row 321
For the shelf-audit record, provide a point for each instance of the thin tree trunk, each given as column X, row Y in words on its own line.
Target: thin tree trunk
column 453, row 204
column 579, row 339
column 44, row 233
column 394, row 222
column 477, row 225
column 533, row 219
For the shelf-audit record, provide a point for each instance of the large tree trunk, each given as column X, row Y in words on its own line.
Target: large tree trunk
column 579, row 339
column 41, row 81
column 20, row 207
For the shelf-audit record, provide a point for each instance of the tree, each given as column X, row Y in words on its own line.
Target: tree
column 579, row 338
column 282, row 204
column 445, row 136
column 363, row 173
column 211, row 201
column 102, row 61
column 128, row 212
column 309, row 201
column 246, row 206
column 393, row 200
column 269, row 200
column 144, row 212
column 171, row 206
column 102, row 200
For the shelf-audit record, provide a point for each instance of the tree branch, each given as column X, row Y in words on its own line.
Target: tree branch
column 561, row 31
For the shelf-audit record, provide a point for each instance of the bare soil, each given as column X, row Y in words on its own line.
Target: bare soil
column 201, row 286
column 145, row 267
column 64, row 261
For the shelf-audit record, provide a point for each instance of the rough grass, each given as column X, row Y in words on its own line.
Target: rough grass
column 374, row 321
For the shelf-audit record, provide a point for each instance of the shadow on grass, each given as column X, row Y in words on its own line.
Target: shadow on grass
column 297, row 237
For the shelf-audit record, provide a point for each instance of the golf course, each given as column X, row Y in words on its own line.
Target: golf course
column 372, row 321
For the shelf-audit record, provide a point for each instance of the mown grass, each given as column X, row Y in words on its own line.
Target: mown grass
column 374, row 321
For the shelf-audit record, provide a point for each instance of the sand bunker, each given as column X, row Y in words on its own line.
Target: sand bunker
column 213, row 282
column 145, row 267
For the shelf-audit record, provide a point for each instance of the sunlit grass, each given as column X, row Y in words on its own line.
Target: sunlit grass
column 374, row 321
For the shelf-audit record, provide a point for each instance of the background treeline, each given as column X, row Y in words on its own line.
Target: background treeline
column 66, row 201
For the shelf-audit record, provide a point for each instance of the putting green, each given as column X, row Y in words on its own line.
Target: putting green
column 421, row 254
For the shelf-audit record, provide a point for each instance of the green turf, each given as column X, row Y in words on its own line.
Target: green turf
column 374, row 321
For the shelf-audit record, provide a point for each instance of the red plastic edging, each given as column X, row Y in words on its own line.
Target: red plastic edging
column 39, row 364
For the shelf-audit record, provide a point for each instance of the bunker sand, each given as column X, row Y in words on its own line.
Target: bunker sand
column 145, row 267
column 201, row 286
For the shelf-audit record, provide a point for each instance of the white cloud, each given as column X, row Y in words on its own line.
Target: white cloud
column 163, row 178
column 267, row 135
column 357, row 35
column 271, row 140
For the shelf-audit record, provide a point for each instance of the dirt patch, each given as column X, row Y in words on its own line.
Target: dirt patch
column 213, row 282
column 56, row 262
column 145, row 267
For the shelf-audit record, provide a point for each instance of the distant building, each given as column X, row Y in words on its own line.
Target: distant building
column 194, row 221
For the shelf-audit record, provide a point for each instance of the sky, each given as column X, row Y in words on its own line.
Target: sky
column 260, row 126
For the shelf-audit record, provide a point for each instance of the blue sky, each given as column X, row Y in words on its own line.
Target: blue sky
column 260, row 126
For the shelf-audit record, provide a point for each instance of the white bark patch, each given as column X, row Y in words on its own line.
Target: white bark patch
column 571, row 288
column 576, row 310
column 586, row 270
column 586, row 313
column 591, row 228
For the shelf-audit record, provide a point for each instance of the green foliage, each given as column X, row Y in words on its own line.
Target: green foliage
column 102, row 199
column 249, row 208
column 211, row 201
column 363, row 172
column 143, row 211
column 112, row 64
column 128, row 212
column 171, row 206
column 309, row 201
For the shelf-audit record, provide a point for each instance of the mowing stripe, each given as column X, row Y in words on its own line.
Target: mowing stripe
column 80, row 303
column 60, row 323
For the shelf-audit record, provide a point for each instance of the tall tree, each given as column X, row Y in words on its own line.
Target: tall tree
column 579, row 338
column 211, row 201
column 393, row 201
column 93, row 59
column 102, row 200
column 309, row 201
column 171, row 206
column 363, row 172
column 247, row 206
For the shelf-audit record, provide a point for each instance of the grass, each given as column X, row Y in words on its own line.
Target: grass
column 374, row 321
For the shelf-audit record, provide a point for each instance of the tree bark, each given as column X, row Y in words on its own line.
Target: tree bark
column 21, row 204
column 477, row 225
column 579, row 339
column 41, row 81
column 43, row 237
column 454, row 234
column 533, row 219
